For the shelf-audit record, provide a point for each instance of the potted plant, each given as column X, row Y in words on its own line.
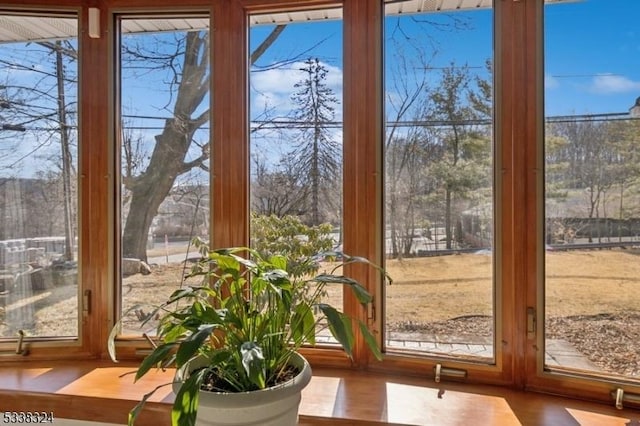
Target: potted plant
column 236, row 334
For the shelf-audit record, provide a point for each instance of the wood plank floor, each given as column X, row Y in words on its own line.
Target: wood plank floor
column 104, row 392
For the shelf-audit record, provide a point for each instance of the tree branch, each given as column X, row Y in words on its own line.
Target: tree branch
column 266, row 43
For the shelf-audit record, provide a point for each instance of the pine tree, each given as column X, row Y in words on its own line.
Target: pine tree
column 316, row 153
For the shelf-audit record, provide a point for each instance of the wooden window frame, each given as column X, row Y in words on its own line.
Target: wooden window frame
column 518, row 117
column 74, row 347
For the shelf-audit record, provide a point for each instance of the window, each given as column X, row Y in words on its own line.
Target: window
column 592, row 188
column 484, row 248
column 39, row 211
column 296, row 136
column 439, row 204
column 164, row 137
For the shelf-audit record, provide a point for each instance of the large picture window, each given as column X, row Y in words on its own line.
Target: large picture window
column 39, row 178
column 164, row 157
column 296, row 138
column 486, row 152
column 592, row 188
column 439, row 187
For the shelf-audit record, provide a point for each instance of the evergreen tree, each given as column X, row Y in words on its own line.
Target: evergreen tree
column 465, row 164
column 316, row 153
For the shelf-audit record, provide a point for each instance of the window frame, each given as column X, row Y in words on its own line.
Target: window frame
column 518, row 140
column 585, row 385
column 54, row 347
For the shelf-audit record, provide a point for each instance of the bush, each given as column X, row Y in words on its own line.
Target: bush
column 287, row 235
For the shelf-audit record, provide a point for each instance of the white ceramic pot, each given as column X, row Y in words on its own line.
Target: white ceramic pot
column 275, row 406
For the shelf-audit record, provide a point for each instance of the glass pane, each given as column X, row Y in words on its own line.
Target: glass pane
column 592, row 186
column 164, row 162
column 296, row 139
column 38, row 179
column 439, row 180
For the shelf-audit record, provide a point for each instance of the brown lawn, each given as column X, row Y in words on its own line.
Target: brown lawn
column 425, row 290
column 578, row 282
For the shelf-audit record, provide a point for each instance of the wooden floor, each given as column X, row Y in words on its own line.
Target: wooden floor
column 104, row 392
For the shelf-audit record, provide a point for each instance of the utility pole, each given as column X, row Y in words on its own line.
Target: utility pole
column 66, row 156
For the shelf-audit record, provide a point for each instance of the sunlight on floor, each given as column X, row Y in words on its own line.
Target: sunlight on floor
column 586, row 418
column 417, row 405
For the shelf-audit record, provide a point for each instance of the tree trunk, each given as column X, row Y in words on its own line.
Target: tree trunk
column 150, row 189
column 447, row 219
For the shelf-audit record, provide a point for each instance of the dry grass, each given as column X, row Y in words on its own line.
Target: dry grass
column 439, row 288
column 578, row 283
column 593, row 282
column 592, row 300
column 425, row 290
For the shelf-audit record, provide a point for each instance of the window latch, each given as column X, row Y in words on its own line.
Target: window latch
column 620, row 397
column 371, row 311
column 21, row 349
column 531, row 323
column 86, row 302
column 439, row 371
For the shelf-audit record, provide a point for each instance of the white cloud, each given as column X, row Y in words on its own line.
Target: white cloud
column 273, row 88
column 550, row 82
column 609, row 83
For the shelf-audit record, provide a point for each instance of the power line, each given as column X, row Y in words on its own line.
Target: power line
column 294, row 124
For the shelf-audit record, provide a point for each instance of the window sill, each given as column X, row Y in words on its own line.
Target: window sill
column 104, row 392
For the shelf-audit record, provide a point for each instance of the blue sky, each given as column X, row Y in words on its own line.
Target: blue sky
column 592, row 51
column 592, row 56
column 325, row 40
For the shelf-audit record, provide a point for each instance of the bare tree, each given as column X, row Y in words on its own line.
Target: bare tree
column 406, row 145
column 278, row 192
column 189, row 65
column 412, row 150
column 39, row 101
column 591, row 170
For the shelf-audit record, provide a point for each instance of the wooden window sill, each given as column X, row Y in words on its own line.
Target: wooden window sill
column 104, row 392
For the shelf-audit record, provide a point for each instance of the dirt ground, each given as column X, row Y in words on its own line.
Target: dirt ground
column 592, row 301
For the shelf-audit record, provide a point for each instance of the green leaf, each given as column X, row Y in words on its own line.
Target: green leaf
column 253, row 363
column 117, row 328
column 158, row 355
column 276, row 276
column 135, row 411
column 219, row 356
column 371, row 341
column 185, row 406
column 245, row 261
column 334, row 279
column 303, row 324
column 173, row 332
column 361, row 293
column 189, row 347
column 340, row 327
column 225, row 262
column 212, row 316
column 180, row 293
column 279, row 261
